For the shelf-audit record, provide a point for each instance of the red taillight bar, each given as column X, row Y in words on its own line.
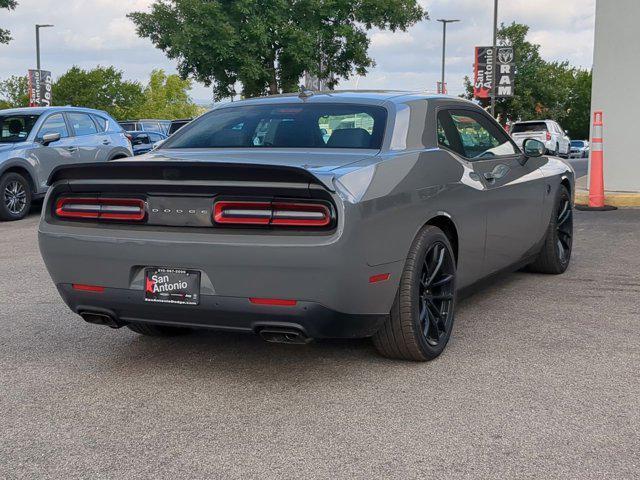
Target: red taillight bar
column 124, row 209
column 242, row 213
column 288, row 214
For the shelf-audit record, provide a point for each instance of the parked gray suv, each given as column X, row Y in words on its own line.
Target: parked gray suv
column 33, row 141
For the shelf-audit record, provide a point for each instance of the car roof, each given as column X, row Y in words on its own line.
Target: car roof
column 371, row 97
column 41, row 110
column 534, row 121
column 145, row 120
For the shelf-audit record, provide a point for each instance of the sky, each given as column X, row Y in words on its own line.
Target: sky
column 97, row 32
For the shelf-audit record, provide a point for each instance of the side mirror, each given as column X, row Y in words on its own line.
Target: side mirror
column 533, row 147
column 50, row 138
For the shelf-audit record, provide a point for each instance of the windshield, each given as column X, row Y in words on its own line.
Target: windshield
column 577, row 143
column 285, row 126
column 16, row 128
column 529, row 127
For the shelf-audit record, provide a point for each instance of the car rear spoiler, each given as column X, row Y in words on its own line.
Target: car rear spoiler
column 162, row 170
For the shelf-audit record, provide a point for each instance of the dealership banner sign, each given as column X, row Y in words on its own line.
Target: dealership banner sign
column 483, row 71
column 39, row 88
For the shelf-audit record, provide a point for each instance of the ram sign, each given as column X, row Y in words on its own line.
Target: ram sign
column 39, row 88
column 483, row 71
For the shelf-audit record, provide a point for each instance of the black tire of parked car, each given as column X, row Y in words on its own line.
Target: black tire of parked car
column 157, row 330
column 15, row 196
column 421, row 319
column 555, row 254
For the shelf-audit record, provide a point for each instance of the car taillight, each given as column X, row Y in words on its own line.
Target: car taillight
column 548, row 136
column 283, row 214
column 121, row 209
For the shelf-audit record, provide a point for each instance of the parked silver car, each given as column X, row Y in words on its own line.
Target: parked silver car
column 33, row 141
column 249, row 220
column 579, row 149
column 147, row 125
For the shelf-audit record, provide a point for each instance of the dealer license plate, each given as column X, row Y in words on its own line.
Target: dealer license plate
column 172, row 285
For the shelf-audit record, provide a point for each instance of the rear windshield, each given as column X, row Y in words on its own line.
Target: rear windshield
column 16, row 128
column 577, row 143
column 285, row 126
column 151, row 127
column 529, row 127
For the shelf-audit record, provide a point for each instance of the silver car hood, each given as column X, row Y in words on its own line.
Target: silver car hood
column 318, row 162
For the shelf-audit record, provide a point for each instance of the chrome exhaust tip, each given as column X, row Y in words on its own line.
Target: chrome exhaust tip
column 284, row 335
column 99, row 318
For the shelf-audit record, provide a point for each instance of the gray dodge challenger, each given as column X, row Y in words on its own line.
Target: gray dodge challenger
column 309, row 216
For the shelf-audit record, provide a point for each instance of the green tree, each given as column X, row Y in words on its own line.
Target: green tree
column 5, row 35
column 14, row 92
column 166, row 97
column 577, row 121
column 542, row 89
column 267, row 45
column 102, row 88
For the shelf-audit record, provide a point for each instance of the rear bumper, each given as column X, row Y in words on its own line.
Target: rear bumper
column 223, row 313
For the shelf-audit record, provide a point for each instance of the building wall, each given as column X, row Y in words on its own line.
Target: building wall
column 616, row 90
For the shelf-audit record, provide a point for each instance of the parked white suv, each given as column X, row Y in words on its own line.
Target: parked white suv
column 555, row 139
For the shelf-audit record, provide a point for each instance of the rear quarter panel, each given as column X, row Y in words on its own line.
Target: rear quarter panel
column 407, row 190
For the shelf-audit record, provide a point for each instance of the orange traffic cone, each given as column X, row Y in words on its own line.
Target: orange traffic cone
column 596, row 173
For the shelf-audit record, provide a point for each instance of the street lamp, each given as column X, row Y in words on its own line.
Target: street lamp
column 444, row 45
column 38, row 27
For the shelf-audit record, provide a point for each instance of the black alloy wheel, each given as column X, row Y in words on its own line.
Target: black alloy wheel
column 555, row 254
column 421, row 318
column 436, row 294
column 15, row 197
column 564, row 231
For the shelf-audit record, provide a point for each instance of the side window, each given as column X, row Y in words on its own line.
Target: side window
column 54, row 124
column 443, row 141
column 101, row 122
column 480, row 139
column 82, row 124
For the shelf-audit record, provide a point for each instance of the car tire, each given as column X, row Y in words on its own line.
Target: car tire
column 157, row 330
column 421, row 319
column 555, row 255
column 15, row 196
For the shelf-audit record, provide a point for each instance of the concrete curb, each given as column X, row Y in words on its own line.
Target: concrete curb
column 615, row 199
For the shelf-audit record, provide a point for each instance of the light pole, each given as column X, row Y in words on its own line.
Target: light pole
column 494, row 58
column 444, row 46
column 38, row 27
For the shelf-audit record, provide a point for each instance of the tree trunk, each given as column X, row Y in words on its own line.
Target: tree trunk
column 273, row 84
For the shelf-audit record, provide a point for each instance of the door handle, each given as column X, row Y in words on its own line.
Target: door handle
column 106, row 142
column 72, row 149
column 498, row 172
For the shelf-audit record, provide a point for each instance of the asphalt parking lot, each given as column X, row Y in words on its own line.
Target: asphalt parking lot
column 541, row 380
